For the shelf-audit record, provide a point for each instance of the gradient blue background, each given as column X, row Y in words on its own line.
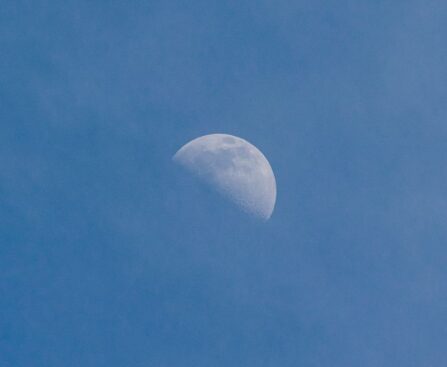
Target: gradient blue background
column 110, row 255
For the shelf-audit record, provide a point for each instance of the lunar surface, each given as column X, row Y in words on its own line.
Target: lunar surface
column 235, row 168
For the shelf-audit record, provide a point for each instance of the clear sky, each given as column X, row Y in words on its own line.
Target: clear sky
column 112, row 256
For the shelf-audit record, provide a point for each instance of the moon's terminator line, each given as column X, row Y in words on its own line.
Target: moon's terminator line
column 235, row 168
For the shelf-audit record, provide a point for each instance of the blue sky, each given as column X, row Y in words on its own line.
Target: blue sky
column 112, row 256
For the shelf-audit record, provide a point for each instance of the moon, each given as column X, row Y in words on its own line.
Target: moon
column 235, row 168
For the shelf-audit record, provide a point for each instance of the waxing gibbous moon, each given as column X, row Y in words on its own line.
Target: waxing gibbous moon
column 235, row 168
